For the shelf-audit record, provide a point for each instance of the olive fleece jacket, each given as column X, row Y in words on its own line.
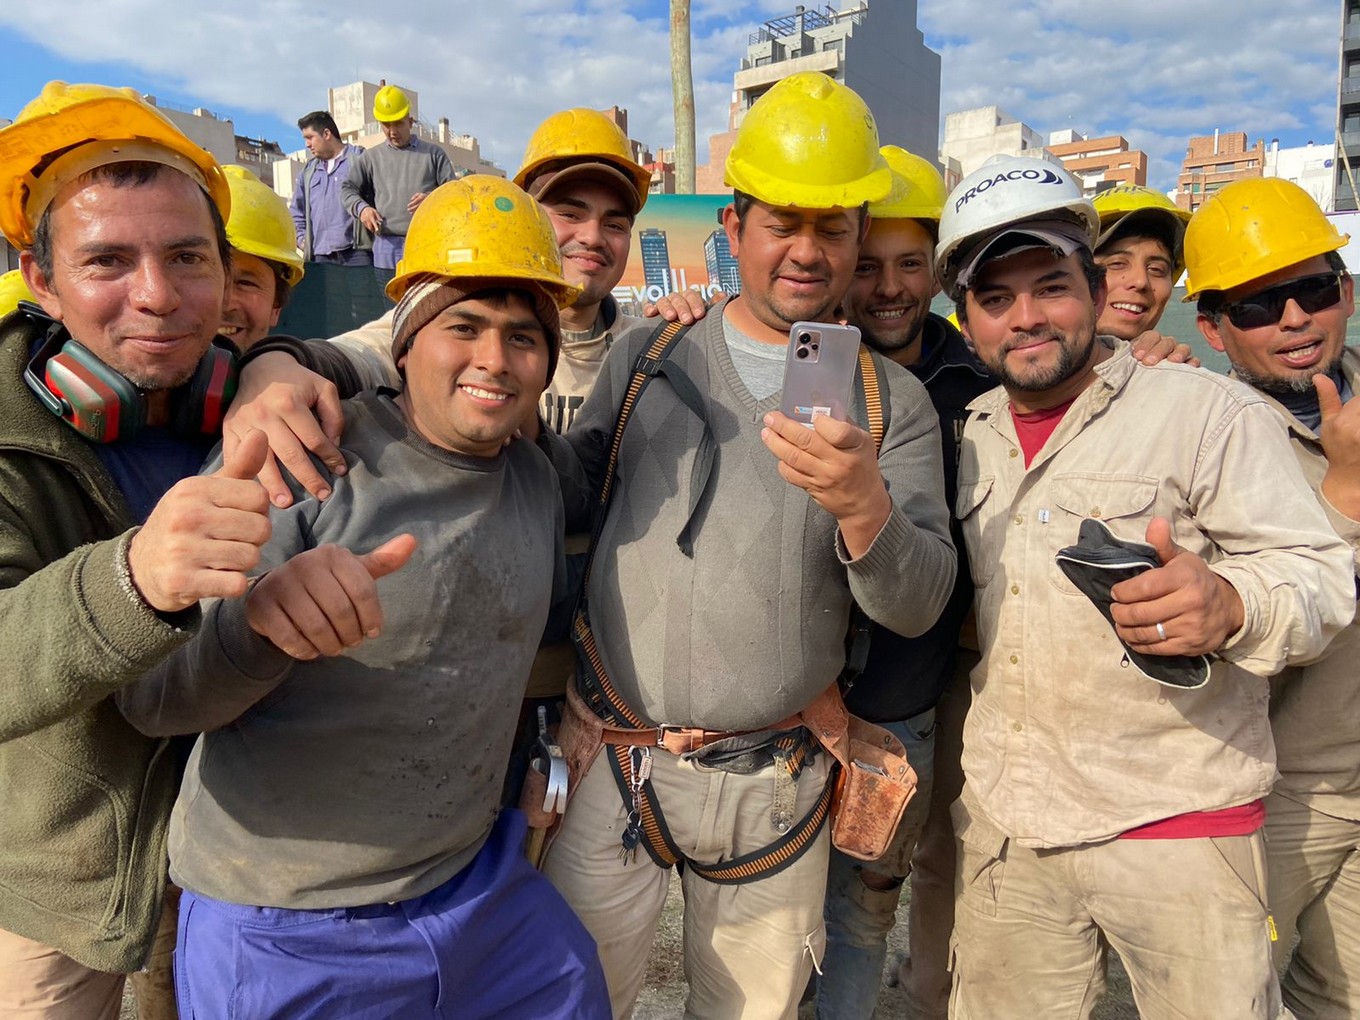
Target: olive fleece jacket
column 84, row 797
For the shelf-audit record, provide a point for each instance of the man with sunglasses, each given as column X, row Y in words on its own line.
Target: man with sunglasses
column 1274, row 295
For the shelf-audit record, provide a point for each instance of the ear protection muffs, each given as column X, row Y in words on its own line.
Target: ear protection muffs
column 104, row 406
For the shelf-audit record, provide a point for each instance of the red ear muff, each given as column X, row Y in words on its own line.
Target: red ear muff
column 78, row 388
column 198, row 407
column 104, row 406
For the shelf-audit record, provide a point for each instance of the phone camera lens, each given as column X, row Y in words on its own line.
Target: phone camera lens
column 814, row 347
column 804, row 338
column 802, row 352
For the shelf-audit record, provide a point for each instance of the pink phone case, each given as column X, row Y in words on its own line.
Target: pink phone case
column 819, row 371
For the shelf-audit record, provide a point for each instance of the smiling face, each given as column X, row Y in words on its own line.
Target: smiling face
column 795, row 264
column 474, row 372
column 1284, row 356
column 137, row 276
column 1032, row 320
column 889, row 298
column 593, row 232
column 251, row 309
column 1139, row 275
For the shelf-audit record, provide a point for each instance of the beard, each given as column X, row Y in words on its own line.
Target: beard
column 1287, row 385
column 1073, row 357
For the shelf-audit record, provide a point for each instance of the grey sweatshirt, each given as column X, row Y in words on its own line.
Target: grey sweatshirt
column 373, row 776
column 386, row 177
column 750, row 628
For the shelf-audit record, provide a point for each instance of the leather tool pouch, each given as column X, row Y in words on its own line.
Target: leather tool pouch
column 1098, row 562
column 580, row 736
column 875, row 782
column 531, row 798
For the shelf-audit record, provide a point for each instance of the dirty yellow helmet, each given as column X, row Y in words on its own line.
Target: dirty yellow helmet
column 260, row 222
column 83, row 127
column 577, row 138
column 390, row 104
column 1129, row 207
column 811, row 143
column 13, row 289
column 919, row 193
column 1250, row 229
column 482, row 225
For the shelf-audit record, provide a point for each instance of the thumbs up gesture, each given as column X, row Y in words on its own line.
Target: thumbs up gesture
column 1340, row 436
column 1196, row 608
column 205, row 534
column 325, row 600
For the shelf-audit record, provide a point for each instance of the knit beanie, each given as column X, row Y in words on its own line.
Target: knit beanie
column 428, row 294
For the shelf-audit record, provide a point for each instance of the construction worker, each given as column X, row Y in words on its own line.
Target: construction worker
column 325, row 231
column 338, row 837
column 388, row 182
column 265, row 264
column 1114, row 774
column 754, row 568
column 1273, row 294
column 110, row 402
column 1140, row 247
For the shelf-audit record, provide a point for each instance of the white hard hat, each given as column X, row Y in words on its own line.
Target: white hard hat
column 1009, row 191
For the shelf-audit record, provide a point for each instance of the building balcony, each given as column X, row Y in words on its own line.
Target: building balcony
column 827, row 61
column 1350, row 87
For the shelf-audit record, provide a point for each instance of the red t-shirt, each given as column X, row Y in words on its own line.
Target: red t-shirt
column 1034, row 427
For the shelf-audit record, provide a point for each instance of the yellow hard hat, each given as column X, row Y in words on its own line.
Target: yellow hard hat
column 919, row 193
column 1250, row 229
column 811, row 143
column 482, row 225
column 260, row 223
column 13, row 289
column 85, row 126
column 390, row 104
column 576, row 138
column 1125, row 205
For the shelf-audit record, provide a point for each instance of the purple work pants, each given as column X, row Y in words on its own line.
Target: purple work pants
column 496, row 940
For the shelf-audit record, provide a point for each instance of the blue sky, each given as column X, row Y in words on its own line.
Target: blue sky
column 1157, row 71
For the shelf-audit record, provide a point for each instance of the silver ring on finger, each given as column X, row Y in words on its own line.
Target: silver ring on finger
column 1161, row 632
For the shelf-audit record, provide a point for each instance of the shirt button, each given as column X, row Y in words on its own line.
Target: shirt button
column 1017, row 727
column 1015, row 452
column 1014, row 659
column 1095, row 511
column 1015, row 589
column 1019, row 518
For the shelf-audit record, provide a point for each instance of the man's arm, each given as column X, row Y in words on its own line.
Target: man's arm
column 893, row 534
column 81, row 626
column 356, row 190
column 297, row 205
column 1291, row 575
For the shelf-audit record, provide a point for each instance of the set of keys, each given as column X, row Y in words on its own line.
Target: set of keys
column 639, row 771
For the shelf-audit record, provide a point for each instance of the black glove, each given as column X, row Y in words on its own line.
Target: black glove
column 1097, row 563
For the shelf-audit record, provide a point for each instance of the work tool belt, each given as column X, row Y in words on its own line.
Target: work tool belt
column 869, row 783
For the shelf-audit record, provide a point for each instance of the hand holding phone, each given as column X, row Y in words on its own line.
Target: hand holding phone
column 819, row 372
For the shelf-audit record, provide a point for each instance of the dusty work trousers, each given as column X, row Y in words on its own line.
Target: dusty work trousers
column 924, row 973
column 154, row 985
column 1314, row 863
column 1187, row 916
column 40, row 983
column 861, row 897
column 749, row 947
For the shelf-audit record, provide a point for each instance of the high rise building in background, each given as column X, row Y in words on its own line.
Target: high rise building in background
column 656, row 259
column 875, row 48
column 721, row 263
column 1346, row 167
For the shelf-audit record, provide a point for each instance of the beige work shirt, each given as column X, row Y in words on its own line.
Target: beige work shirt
column 1315, row 709
column 1066, row 743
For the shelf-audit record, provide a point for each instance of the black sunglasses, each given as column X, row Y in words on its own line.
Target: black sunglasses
column 1312, row 294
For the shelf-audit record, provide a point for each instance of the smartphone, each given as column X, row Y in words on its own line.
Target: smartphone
column 819, row 371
